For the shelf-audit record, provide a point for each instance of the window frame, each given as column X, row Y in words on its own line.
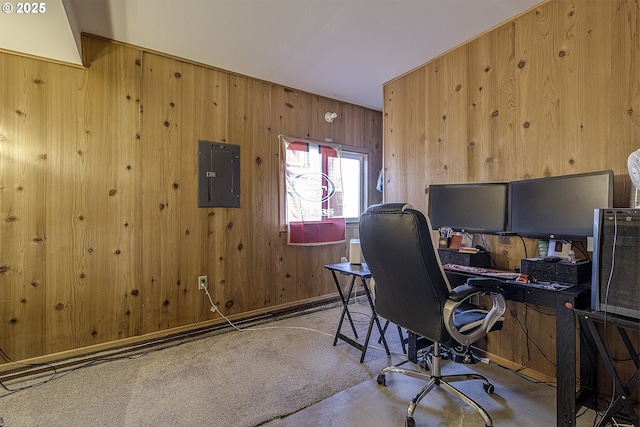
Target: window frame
column 352, row 152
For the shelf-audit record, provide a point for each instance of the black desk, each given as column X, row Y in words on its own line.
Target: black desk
column 564, row 302
column 621, row 401
column 354, row 271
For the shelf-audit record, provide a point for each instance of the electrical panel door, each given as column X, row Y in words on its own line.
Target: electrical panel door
column 218, row 175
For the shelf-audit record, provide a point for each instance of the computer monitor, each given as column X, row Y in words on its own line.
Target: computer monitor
column 560, row 207
column 473, row 207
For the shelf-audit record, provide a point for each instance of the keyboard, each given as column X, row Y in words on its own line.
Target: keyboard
column 550, row 286
column 480, row 271
column 504, row 275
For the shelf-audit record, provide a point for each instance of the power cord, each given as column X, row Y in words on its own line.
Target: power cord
column 606, row 302
column 524, row 245
column 526, row 333
column 57, row 374
column 482, row 247
column 214, row 309
column 583, row 249
column 529, row 339
column 46, row 365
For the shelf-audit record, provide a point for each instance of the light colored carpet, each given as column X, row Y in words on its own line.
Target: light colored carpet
column 237, row 378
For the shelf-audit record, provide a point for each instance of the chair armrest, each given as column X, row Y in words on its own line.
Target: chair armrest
column 462, row 292
column 486, row 284
column 458, row 296
column 476, row 286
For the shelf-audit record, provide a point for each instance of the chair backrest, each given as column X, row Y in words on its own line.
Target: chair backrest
column 411, row 287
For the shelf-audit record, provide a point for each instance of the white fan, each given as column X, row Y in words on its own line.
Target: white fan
column 633, row 165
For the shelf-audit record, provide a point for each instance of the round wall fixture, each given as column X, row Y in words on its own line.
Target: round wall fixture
column 330, row 117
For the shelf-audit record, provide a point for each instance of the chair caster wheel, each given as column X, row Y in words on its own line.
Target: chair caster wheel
column 382, row 380
column 489, row 388
column 409, row 422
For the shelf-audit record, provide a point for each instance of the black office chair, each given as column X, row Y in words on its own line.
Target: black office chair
column 412, row 291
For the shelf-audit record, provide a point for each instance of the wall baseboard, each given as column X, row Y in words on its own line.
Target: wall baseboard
column 59, row 362
column 508, row 364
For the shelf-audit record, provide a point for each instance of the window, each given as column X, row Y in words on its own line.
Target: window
column 354, row 167
column 354, row 183
column 323, row 186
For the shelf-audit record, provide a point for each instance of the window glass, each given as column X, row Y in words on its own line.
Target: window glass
column 348, row 195
column 354, row 179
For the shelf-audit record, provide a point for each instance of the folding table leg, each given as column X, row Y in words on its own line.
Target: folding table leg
column 345, row 306
column 374, row 319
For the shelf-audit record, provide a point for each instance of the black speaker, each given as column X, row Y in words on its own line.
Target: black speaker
column 561, row 271
column 615, row 280
column 453, row 256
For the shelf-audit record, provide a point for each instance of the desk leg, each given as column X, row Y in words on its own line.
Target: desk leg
column 565, row 365
column 587, row 395
column 345, row 304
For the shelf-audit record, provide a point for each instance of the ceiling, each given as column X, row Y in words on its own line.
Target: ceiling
column 341, row 49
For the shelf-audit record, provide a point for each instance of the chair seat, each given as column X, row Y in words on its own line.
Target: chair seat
column 469, row 317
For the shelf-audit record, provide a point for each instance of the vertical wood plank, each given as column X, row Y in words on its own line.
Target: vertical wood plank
column 290, row 116
column 110, row 180
column 249, row 261
column 404, row 121
column 23, row 176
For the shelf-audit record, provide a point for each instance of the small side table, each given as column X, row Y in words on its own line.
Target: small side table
column 354, row 271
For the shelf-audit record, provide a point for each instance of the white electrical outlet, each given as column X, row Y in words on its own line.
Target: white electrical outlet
column 203, row 283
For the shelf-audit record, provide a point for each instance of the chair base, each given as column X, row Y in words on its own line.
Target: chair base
column 435, row 379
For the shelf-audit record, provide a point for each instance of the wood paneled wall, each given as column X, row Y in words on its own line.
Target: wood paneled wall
column 552, row 92
column 101, row 237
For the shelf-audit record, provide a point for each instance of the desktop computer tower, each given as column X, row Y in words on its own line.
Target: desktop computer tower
column 615, row 280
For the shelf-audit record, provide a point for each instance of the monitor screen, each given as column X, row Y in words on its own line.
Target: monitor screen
column 560, row 207
column 475, row 207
